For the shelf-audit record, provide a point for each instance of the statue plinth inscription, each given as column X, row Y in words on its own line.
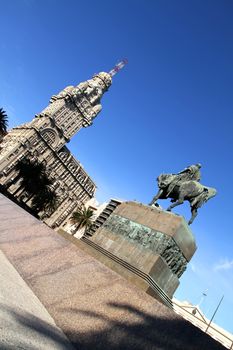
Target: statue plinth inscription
column 158, row 243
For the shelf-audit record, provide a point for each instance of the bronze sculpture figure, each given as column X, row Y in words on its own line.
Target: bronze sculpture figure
column 184, row 186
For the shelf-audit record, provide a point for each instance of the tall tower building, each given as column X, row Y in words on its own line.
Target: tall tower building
column 45, row 138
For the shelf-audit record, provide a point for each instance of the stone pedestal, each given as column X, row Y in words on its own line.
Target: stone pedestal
column 158, row 243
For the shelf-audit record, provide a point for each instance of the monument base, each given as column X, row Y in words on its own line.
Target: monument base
column 155, row 242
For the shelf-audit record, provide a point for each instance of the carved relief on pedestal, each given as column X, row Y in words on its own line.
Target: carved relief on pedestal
column 158, row 242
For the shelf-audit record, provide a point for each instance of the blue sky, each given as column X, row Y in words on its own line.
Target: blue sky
column 170, row 107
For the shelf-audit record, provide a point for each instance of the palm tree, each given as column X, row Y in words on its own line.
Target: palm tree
column 45, row 200
column 39, row 187
column 29, row 171
column 3, row 122
column 83, row 217
column 33, row 175
column 36, row 184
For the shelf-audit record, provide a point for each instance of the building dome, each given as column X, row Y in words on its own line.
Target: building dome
column 105, row 77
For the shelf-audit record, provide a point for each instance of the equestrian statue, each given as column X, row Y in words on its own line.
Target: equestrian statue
column 184, row 186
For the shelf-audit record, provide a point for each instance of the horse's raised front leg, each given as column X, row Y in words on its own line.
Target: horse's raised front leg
column 194, row 214
column 156, row 197
column 178, row 202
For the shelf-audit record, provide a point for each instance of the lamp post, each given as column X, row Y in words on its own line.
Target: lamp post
column 214, row 314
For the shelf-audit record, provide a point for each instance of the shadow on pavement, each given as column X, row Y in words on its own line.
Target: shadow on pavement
column 146, row 332
column 22, row 330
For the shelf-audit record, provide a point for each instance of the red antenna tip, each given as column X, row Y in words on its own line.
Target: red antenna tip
column 118, row 67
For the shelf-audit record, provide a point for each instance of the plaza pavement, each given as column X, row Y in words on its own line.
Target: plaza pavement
column 95, row 307
column 24, row 321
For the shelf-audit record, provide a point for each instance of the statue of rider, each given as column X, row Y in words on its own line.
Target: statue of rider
column 190, row 173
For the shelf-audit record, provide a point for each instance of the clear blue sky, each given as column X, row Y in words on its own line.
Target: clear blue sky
column 170, row 107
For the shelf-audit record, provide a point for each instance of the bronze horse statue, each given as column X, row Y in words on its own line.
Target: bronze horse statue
column 192, row 191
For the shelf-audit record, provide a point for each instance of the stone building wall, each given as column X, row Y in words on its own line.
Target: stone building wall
column 45, row 138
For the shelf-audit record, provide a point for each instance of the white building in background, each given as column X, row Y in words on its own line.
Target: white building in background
column 194, row 315
column 97, row 209
column 101, row 213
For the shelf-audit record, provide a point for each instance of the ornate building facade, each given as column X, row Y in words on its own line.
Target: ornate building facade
column 45, row 138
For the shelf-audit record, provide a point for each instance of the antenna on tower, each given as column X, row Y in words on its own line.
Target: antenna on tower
column 118, row 67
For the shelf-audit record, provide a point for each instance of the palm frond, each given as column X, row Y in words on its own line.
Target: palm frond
column 3, row 122
column 82, row 217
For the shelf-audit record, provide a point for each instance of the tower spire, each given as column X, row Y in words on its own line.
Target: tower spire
column 118, row 67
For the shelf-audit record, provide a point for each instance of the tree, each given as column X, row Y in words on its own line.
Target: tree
column 3, row 123
column 28, row 171
column 37, row 185
column 45, row 200
column 83, row 217
column 33, row 175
